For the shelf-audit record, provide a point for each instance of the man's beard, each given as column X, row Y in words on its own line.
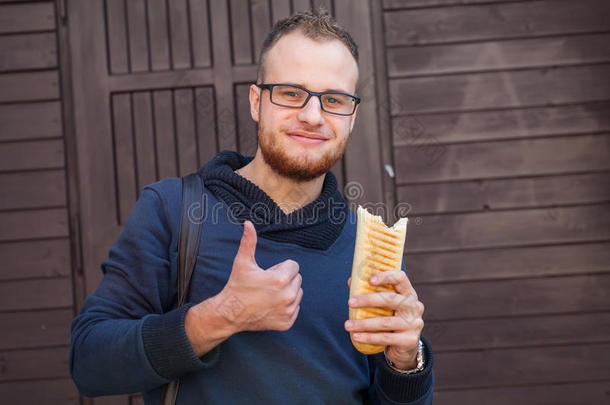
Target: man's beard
column 301, row 168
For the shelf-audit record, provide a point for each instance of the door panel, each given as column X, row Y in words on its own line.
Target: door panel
column 160, row 87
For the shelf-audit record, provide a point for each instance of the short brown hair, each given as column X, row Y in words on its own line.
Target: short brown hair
column 315, row 24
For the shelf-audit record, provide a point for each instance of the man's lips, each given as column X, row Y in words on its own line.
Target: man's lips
column 308, row 137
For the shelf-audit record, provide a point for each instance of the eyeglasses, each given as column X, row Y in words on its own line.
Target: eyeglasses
column 292, row 96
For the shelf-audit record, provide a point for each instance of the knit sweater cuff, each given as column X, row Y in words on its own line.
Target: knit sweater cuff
column 405, row 388
column 168, row 347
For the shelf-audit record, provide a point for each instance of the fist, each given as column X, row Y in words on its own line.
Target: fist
column 259, row 299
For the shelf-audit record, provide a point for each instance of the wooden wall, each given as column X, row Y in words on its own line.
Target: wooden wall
column 500, row 115
column 495, row 118
column 36, row 301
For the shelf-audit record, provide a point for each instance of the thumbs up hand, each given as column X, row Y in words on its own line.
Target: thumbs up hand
column 258, row 299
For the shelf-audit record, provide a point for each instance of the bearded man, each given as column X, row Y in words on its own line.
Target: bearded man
column 266, row 318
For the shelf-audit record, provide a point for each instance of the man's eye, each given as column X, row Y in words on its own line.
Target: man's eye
column 334, row 100
column 289, row 93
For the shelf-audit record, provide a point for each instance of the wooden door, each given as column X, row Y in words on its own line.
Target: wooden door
column 161, row 86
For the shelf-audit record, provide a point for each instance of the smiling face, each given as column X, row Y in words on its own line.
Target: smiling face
column 303, row 144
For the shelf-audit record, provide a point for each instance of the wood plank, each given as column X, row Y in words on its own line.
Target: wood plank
column 124, row 158
column 537, row 87
column 61, row 391
column 28, row 51
column 17, row 123
column 363, row 156
column 492, row 299
column 27, row 365
column 164, row 80
column 223, row 84
column 481, row 195
column 163, row 113
column 200, row 33
column 502, row 124
column 240, row 33
column 510, row 228
column 138, row 44
column 36, row 259
column 27, row 17
column 35, row 294
column 186, row 140
column 23, row 330
column 495, row 55
column 496, row 333
column 206, row 124
column 116, row 34
column 47, row 154
column 144, row 140
column 535, row 261
column 42, row 223
column 543, row 190
column 261, row 13
column 301, row 5
column 180, row 45
column 280, row 9
column 246, row 127
column 522, row 366
column 438, row 162
column 33, row 189
column 551, row 394
column 30, row 86
column 495, row 21
column 158, row 33
column 394, row 4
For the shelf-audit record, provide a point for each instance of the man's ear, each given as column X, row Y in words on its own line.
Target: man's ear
column 255, row 101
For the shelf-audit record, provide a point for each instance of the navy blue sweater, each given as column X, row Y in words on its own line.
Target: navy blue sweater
column 130, row 338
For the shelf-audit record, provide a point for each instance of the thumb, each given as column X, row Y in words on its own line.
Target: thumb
column 247, row 245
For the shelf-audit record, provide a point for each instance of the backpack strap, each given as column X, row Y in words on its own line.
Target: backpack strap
column 190, row 231
column 193, row 205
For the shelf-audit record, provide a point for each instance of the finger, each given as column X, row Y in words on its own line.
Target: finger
column 384, row 299
column 288, row 269
column 295, row 283
column 297, row 301
column 396, row 278
column 295, row 314
column 247, row 245
column 377, row 324
column 401, row 339
column 349, row 282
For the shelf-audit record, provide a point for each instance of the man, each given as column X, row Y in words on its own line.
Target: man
column 267, row 315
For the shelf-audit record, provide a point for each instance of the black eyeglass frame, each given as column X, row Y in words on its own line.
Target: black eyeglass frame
column 270, row 86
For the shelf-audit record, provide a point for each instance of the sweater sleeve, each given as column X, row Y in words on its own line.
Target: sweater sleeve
column 392, row 387
column 126, row 339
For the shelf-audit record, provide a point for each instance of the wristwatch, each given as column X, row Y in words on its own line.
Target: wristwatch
column 420, row 361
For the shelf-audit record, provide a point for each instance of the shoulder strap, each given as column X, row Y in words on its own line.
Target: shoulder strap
column 193, row 205
column 190, row 231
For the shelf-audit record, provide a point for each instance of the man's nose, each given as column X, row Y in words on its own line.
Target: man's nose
column 312, row 112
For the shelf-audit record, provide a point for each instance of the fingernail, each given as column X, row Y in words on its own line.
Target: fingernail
column 352, row 301
column 349, row 324
column 356, row 336
column 374, row 279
